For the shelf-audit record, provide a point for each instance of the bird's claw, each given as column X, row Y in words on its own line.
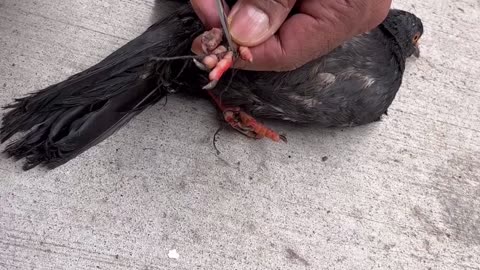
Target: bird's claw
column 210, row 85
column 200, row 65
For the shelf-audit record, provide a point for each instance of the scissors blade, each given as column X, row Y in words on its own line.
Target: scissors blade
column 223, row 21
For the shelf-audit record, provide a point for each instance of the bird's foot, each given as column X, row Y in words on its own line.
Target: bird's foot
column 245, row 123
column 218, row 58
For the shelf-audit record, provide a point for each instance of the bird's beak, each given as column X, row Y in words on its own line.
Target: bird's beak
column 416, row 53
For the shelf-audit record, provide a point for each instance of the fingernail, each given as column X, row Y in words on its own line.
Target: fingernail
column 248, row 24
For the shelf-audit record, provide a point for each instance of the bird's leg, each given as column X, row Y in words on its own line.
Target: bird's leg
column 218, row 58
column 217, row 61
column 245, row 123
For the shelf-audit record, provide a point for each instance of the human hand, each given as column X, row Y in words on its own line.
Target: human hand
column 278, row 43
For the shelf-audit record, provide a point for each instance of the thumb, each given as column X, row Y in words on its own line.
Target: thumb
column 251, row 22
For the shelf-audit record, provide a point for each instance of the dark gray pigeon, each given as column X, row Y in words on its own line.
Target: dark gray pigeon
column 352, row 85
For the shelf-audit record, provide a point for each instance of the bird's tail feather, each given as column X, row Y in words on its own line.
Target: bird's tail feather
column 65, row 119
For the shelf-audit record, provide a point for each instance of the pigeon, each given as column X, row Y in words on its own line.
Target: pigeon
column 354, row 84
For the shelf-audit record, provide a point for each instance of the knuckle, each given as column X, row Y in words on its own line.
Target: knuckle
column 355, row 15
column 269, row 5
column 370, row 12
column 283, row 3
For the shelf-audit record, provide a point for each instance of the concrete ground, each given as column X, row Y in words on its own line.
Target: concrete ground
column 399, row 194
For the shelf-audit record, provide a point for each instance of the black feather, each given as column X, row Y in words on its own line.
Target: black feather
column 65, row 119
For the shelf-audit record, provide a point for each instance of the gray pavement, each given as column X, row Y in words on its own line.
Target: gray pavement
column 402, row 193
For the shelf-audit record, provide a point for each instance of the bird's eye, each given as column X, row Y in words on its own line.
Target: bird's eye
column 416, row 37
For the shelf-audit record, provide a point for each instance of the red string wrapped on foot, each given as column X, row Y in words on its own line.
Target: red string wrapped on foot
column 218, row 58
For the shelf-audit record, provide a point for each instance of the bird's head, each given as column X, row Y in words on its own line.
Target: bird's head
column 407, row 29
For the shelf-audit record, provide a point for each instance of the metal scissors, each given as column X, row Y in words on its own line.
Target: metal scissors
column 223, row 21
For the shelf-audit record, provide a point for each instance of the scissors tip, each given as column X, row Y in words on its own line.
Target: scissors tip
column 223, row 21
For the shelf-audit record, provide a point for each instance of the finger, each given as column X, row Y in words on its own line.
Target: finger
column 307, row 35
column 251, row 22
